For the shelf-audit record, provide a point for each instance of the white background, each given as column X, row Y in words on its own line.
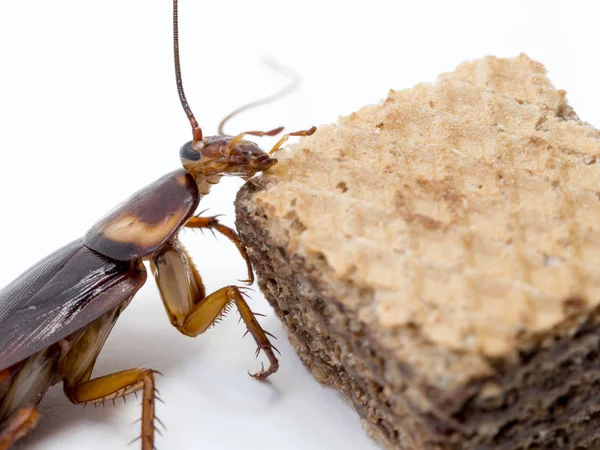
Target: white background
column 89, row 114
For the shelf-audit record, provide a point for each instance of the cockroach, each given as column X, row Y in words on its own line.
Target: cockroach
column 56, row 317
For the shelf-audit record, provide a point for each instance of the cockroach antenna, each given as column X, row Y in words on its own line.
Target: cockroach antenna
column 294, row 84
column 196, row 130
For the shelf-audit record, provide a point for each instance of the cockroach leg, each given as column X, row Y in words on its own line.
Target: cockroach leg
column 206, row 313
column 239, row 137
column 117, row 385
column 259, row 335
column 175, row 274
column 18, row 425
column 213, row 223
column 273, row 132
column 286, row 136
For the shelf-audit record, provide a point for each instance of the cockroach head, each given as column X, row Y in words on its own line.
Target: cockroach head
column 224, row 155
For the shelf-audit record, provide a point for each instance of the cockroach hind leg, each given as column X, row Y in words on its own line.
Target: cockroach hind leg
column 109, row 387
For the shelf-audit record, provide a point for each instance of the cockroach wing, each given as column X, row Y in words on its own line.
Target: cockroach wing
column 58, row 296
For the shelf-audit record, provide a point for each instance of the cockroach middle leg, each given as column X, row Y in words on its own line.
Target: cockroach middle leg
column 191, row 312
column 259, row 335
column 18, row 425
column 119, row 384
column 201, row 318
column 213, row 224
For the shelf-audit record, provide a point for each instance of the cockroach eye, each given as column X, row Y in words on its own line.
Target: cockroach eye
column 188, row 153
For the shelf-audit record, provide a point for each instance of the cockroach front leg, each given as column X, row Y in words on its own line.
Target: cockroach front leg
column 18, row 425
column 192, row 312
column 110, row 387
column 286, row 136
column 213, row 224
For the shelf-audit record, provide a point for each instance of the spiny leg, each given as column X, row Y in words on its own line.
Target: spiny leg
column 18, row 425
column 259, row 335
column 78, row 364
column 119, row 384
column 191, row 312
column 213, row 224
column 204, row 314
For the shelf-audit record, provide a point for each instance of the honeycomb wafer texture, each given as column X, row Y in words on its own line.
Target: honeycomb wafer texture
column 436, row 257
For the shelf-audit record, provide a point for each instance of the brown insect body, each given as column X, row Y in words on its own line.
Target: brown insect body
column 142, row 224
column 56, row 317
